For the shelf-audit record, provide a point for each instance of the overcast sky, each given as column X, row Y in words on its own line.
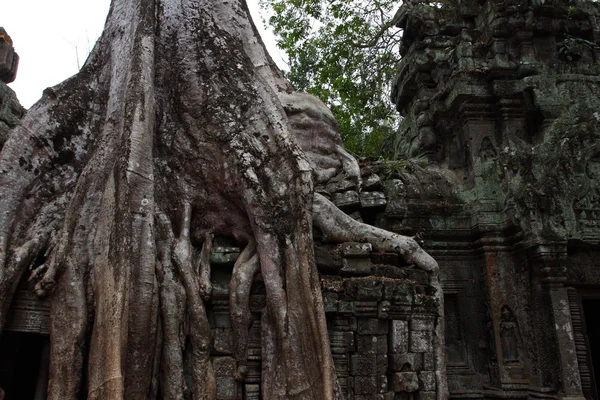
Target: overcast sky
column 49, row 35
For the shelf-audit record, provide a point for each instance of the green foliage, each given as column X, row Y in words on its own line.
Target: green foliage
column 345, row 52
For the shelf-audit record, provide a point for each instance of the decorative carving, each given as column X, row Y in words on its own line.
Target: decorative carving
column 509, row 334
column 487, row 150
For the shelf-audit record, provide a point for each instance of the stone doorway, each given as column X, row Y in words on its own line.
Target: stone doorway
column 591, row 307
column 24, row 366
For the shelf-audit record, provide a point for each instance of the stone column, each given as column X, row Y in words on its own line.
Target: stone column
column 549, row 260
column 501, row 289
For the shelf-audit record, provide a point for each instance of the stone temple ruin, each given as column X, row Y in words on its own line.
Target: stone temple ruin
column 502, row 99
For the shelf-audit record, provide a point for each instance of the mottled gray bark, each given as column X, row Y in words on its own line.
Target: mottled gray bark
column 176, row 123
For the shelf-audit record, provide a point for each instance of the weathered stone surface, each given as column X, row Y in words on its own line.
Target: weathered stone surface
column 421, row 341
column 226, row 385
column 356, row 267
column 403, row 362
column 363, row 365
column 427, row 381
column 372, row 326
column 360, row 250
column 371, row 344
column 405, row 382
column 372, row 199
column 398, row 336
column 365, row 385
column 346, row 200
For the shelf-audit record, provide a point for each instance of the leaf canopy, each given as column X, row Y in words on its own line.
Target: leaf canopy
column 346, row 53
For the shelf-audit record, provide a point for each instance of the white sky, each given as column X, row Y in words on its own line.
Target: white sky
column 49, row 35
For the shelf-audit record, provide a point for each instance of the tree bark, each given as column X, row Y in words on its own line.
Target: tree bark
column 176, row 122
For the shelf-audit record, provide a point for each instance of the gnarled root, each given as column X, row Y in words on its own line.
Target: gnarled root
column 339, row 227
column 204, row 385
column 172, row 307
column 246, row 266
column 202, row 269
column 68, row 325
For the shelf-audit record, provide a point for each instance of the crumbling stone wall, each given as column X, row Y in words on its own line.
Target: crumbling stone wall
column 501, row 98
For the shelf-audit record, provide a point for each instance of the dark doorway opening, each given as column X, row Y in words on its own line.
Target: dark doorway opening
column 592, row 323
column 24, row 365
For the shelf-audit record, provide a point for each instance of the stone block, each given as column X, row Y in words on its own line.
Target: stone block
column 342, row 342
column 345, row 307
column 427, row 396
column 363, row 364
column 422, row 323
column 337, row 185
column 372, row 199
column 251, row 392
column 365, row 385
column 366, row 309
column 346, row 200
column 364, row 289
column 371, row 182
column 405, row 382
column 226, row 385
column 355, row 249
column 421, row 341
column 398, row 337
column 369, row 397
column 417, row 275
column 328, row 259
column 222, row 320
column 371, row 344
column 398, row 292
column 371, row 326
column 330, row 302
column 406, row 362
column 382, row 384
column 427, row 380
column 390, row 259
column 356, row 267
column 222, row 341
column 428, row 361
column 382, row 364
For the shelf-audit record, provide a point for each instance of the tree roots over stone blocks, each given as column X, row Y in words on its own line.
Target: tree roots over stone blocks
column 176, row 123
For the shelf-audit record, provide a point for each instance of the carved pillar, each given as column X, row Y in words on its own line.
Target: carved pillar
column 581, row 344
column 550, row 263
column 504, row 327
column 526, row 49
column 477, row 122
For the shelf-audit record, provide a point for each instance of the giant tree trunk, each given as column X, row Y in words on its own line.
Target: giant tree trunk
column 172, row 131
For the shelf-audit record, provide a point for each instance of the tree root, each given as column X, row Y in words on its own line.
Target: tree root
column 246, row 266
column 339, row 227
column 172, row 308
column 202, row 269
column 67, row 332
column 204, row 384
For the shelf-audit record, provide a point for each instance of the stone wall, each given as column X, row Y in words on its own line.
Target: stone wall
column 502, row 99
